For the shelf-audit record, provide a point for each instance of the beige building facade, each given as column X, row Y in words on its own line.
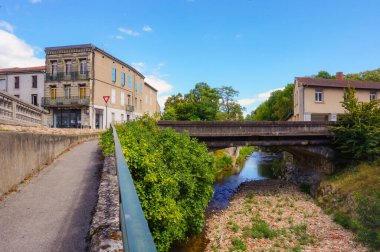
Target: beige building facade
column 78, row 78
column 320, row 99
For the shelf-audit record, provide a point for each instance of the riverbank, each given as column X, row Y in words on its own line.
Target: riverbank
column 272, row 215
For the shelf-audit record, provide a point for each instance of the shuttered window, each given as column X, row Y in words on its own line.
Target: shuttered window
column 113, row 74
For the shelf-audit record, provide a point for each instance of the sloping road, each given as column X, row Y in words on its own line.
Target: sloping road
column 53, row 212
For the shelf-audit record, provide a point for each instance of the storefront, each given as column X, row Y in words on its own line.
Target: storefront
column 67, row 118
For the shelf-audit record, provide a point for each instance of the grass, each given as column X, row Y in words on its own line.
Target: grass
column 238, row 245
column 259, row 229
column 362, row 184
column 233, row 226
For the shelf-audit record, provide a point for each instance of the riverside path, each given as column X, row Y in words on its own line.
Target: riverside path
column 54, row 210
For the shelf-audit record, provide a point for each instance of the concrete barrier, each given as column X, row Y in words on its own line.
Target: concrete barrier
column 22, row 154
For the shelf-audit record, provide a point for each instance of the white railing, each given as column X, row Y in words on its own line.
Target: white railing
column 15, row 111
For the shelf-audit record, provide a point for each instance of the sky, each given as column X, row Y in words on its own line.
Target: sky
column 255, row 46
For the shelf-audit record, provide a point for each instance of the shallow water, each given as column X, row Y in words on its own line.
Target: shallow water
column 256, row 167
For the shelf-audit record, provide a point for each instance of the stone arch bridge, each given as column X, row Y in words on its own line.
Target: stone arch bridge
column 308, row 142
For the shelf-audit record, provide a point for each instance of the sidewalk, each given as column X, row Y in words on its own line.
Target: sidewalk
column 53, row 211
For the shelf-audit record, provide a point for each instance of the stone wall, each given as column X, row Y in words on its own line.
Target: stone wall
column 105, row 234
column 22, row 154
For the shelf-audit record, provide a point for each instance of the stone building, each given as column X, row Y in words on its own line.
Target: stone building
column 24, row 83
column 78, row 77
column 320, row 99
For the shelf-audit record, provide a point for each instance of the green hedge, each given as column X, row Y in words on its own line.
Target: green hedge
column 173, row 176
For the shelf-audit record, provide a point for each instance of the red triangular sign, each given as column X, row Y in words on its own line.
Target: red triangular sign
column 106, row 98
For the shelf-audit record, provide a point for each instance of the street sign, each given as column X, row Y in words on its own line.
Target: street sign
column 106, row 98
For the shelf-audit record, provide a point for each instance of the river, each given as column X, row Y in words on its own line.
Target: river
column 257, row 167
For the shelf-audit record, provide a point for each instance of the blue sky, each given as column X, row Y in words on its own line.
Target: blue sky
column 253, row 45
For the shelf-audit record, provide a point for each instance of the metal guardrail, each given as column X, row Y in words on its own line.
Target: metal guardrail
column 63, row 101
column 134, row 227
column 63, row 76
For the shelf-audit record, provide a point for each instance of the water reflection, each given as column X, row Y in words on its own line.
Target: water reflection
column 256, row 167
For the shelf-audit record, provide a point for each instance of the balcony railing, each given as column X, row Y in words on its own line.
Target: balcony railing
column 72, row 76
column 129, row 108
column 66, row 101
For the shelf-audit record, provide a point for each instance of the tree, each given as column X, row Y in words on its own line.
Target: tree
column 356, row 136
column 278, row 107
column 324, row 75
column 228, row 107
column 372, row 75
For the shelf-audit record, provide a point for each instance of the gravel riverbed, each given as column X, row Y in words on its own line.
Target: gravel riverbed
column 272, row 215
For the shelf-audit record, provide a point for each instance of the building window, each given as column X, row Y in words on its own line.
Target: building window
column 141, row 88
column 83, row 66
column 82, row 90
column 53, row 92
column 54, row 68
column 122, row 98
column 113, row 96
column 372, row 95
column 122, row 79
column 129, row 100
column 136, row 85
column 67, row 89
column 35, row 99
column 319, row 95
column 3, row 85
column 18, row 96
column 129, row 82
column 136, row 102
column 17, row 82
column 113, row 74
column 68, row 67
column 34, row 81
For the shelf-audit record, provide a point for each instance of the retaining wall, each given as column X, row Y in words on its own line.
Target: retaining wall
column 22, row 154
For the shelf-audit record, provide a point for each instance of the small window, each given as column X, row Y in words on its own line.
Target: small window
column 83, row 66
column 67, row 89
column 129, row 82
column 68, row 67
column 54, row 68
column 113, row 74
column 122, row 101
column 3, row 85
column 53, row 92
column 319, row 95
column 17, row 82
column 122, row 79
column 34, row 81
column 372, row 95
column 82, row 90
column 35, row 99
column 141, row 88
column 113, row 96
column 136, row 85
column 18, row 96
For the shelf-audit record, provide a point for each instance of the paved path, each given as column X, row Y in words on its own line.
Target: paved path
column 53, row 211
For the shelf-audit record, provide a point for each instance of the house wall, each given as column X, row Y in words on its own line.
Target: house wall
column 25, row 89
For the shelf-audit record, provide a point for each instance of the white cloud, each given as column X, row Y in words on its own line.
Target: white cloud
column 7, row 26
column 35, row 1
column 261, row 97
column 129, row 32
column 163, row 87
column 138, row 65
column 14, row 52
column 119, row 37
column 147, row 28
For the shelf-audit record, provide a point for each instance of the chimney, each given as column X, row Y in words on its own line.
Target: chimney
column 339, row 76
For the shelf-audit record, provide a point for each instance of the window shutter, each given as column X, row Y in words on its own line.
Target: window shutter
column 129, row 81
column 123, row 79
column 114, row 74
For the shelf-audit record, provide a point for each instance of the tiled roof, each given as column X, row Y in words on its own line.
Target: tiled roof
column 23, row 69
column 334, row 83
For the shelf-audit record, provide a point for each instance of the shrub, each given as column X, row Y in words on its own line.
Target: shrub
column 173, row 176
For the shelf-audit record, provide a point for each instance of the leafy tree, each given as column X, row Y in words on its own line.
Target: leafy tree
column 173, row 175
column 357, row 134
column 229, row 109
column 278, row 107
column 324, row 75
column 205, row 100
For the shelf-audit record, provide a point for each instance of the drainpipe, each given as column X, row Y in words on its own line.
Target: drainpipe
column 92, row 124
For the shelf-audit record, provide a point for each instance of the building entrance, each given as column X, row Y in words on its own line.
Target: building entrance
column 99, row 118
column 67, row 118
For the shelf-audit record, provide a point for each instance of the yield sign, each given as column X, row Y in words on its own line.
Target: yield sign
column 106, row 98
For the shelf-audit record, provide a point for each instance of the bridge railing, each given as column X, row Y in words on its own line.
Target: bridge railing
column 134, row 227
